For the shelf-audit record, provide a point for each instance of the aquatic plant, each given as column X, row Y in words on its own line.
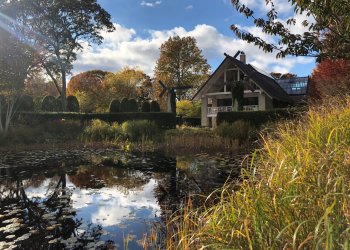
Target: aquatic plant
column 100, row 130
column 189, row 140
column 140, row 130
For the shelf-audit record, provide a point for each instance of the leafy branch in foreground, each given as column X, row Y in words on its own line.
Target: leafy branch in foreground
column 328, row 36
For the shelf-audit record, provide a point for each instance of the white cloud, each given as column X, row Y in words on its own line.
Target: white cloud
column 189, row 7
column 125, row 47
column 150, row 4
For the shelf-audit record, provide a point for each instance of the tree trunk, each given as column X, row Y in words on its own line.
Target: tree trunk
column 63, row 92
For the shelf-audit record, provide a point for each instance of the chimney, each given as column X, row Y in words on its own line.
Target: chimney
column 242, row 57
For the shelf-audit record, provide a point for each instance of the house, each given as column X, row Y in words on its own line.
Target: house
column 261, row 90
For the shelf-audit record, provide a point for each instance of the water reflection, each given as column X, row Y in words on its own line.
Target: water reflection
column 100, row 205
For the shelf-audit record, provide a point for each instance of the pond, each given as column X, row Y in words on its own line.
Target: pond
column 98, row 199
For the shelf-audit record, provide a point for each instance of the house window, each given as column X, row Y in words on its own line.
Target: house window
column 224, row 102
column 251, row 101
column 231, row 75
column 250, row 86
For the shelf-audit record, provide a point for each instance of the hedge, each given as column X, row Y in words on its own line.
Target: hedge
column 163, row 120
column 188, row 121
column 257, row 118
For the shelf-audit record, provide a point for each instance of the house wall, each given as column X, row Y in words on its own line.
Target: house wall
column 262, row 102
column 265, row 102
column 204, row 112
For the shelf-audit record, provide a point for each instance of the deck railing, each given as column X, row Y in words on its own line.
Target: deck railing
column 213, row 111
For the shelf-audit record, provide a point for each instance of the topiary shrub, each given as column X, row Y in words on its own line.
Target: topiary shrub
column 141, row 129
column 132, row 106
column 72, row 104
column 49, row 104
column 145, row 107
column 124, row 105
column 26, row 104
column 114, row 106
column 155, row 106
column 59, row 107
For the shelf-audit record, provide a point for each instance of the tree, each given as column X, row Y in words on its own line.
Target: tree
column 58, row 28
column 327, row 37
column 129, row 83
column 181, row 63
column 16, row 61
column 37, row 86
column 90, row 90
column 283, row 76
column 330, row 78
column 187, row 108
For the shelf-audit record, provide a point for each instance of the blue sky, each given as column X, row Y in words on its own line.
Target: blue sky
column 143, row 25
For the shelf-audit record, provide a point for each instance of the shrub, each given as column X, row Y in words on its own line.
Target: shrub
column 145, row 107
column 26, row 103
column 132, row 106
column 142, row 129
column 186, row 108
column 72, row 104
column 124, row 105
column 49, row 103
column 163, row 120
column 114, row 106
column 155, row 106
column 100, row 130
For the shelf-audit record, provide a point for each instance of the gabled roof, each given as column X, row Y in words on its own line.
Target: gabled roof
column 265, row 82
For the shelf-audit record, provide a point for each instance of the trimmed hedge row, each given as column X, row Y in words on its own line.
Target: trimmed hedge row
column 257, row 118
column 188, row 121
column 163, row 120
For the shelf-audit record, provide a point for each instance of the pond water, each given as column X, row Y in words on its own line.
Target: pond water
column 98, row 199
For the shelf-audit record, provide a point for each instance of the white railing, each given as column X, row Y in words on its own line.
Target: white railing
column 251, row 108
column 213, row 111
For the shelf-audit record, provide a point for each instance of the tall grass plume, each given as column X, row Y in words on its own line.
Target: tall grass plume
column 294, row 195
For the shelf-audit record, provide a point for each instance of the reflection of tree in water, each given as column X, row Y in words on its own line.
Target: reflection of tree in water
column 124, row 180
column 43, row 223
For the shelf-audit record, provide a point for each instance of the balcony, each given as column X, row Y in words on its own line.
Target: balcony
column 251, row 108
column 213, row 111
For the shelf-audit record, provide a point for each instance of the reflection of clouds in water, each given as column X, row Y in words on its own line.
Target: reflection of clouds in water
column 40, row 191
column 110, row 215
column 106, row 206
column 114, row 206
column 80, row 200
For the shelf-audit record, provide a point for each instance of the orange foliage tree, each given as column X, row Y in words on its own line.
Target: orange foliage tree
column 90, row 90
column 330, row 78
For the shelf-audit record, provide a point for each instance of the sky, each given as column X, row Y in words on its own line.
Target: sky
column 143, row 25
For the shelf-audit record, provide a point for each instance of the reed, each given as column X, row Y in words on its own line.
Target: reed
column 187, row 140
column 294, row 194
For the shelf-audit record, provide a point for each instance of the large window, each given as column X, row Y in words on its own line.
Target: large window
column 251, row 101
column 231, row 75
column 224, row 102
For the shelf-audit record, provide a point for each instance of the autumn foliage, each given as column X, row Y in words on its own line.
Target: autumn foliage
column 330, row 78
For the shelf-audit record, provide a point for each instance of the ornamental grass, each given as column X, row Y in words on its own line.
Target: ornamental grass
column 295, row 194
